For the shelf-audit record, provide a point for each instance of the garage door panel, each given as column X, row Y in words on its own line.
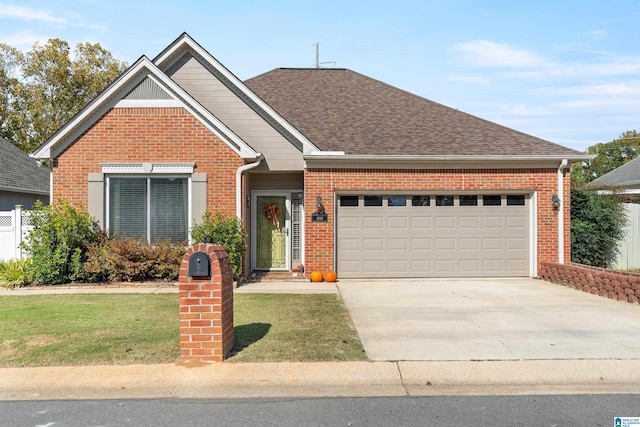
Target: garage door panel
column 492, row 266
column 515, row 265
column 374, row 265
column 514, row 243
column 469, row 222
column 515, row 222
column 444, row 222
column 349, row 223
column 445, row 266
column 397, row 223
column 398, row 266
column 468, row 265
column 445, row 244
column 469, row 243
column 350, row 244
column 492, row 243
column 373, row 223
column 432, row 241
column 373, row 244
column 421, row 222
column 418, row 244
column 398, row 244
column 492, row 222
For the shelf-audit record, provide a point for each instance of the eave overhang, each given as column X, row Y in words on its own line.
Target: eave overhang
column 337, row 160
column 111, row 97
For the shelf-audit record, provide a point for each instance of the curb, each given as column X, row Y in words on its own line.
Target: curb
column 321, row 379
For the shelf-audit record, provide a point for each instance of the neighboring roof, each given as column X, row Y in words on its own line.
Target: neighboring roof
column 136, row 74
column 20, row 173
column 341, row 110
column 625, row 176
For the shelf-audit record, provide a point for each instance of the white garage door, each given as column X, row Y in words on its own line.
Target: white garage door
column 432, row 235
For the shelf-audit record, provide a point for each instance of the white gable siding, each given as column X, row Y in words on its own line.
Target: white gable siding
column 193, row 77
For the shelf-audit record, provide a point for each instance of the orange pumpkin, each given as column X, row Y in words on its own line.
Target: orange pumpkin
column 316, row 276
column 330, row 276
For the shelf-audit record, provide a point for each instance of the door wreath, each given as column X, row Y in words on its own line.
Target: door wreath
column 271, row 211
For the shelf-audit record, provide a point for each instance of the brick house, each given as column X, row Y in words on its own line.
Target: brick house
column 325, row 167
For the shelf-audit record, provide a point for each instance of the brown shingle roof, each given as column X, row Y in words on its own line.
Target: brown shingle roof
column 341, row 110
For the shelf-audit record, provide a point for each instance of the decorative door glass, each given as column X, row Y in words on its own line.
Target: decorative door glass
column 271, row 236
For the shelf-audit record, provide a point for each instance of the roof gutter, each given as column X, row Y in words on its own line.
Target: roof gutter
column 239, row 172
column 341, row 156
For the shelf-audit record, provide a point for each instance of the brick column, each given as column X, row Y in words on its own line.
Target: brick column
column 206, row 308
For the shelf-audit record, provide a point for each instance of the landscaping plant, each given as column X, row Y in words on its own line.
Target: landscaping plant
column 597, row 225
column 13, row 273
column 127, row 259
column 57, row 244
column 226, row 232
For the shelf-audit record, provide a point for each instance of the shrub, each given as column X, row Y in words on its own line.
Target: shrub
column 597, row 225
column 226, row 232
column 14, row 273
column 57, row 244
column 131, row 260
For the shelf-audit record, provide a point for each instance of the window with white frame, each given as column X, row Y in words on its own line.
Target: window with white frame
column 148, row 207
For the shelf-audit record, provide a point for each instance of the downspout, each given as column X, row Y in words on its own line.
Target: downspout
column 239, row 173
column 561, row 168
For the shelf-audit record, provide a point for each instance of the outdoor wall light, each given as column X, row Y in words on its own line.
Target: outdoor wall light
column 319, row 205
column 555, row 201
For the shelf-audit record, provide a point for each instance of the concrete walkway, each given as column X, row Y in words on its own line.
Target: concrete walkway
column 472, row 306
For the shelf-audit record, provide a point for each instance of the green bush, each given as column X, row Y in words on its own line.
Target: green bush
column 597, row 225
column 14, row 273
column 57, row 244
column 226, row 232
column 131, row 260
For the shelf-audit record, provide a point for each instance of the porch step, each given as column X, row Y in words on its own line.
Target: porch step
column 274, row 276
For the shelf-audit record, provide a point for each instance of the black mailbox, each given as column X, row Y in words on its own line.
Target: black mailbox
column 199, row 265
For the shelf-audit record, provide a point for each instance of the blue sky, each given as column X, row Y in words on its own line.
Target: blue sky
column 563, row 70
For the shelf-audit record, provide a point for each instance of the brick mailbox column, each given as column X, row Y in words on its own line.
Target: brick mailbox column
column 206, row 306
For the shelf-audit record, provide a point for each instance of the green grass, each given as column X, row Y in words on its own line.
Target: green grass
column 282, row 327
column 46, row 330
column 81, row 329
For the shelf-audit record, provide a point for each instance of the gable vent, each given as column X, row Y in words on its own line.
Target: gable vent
column 147, row 89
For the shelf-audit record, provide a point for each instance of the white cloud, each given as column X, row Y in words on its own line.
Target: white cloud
column 469, row 79
column 597, row 34
column 486, row 53
column 44, row 16
column 29, row 14
column 24, row 40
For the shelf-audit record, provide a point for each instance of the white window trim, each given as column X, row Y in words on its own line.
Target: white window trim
column 147, row 168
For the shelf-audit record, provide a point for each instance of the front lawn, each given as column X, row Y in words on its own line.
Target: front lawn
column 81, row 329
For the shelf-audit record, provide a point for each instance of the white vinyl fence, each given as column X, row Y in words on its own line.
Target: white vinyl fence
column 629, row 247
column 14, row 226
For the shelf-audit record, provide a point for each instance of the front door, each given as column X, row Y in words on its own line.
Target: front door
column 271, row 231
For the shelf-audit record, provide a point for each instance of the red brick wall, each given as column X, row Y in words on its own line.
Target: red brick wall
column 618, row 285
column 157, row 135
column 319, row 237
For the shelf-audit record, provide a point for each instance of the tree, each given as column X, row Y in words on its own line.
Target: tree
column 10, row 60
column 598, row 220
column 44, row 88
column 609, row 155
column 597, row 225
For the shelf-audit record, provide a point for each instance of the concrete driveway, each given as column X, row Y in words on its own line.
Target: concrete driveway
column 488, row 319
